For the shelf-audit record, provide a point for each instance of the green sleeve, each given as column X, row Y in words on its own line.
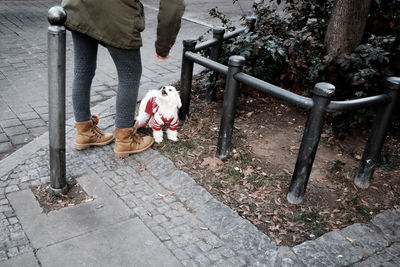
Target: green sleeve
column 169, row 23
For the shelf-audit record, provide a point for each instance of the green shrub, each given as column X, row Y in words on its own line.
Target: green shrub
column 289, row 52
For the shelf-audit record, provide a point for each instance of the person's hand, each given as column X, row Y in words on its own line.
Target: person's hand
column 160, row 58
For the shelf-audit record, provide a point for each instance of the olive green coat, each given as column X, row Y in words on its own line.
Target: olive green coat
column 119, row 22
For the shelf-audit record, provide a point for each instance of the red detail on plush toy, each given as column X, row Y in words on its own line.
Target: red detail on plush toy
column 151, row 109
column 151, row 106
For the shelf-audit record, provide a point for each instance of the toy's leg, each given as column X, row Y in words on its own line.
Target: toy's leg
column 158, row 136
column 172, row 135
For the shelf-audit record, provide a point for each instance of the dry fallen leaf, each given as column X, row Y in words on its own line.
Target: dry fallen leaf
column 212, row 162
column 248, row 171
column 142, row 167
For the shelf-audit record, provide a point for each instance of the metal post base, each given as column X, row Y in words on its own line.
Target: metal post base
column 292, row 199
column 61, row 191
column 361, row 182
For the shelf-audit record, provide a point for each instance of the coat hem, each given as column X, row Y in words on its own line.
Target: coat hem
column 101, row 39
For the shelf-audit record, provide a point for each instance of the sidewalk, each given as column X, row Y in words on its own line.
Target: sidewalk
column 146, row 212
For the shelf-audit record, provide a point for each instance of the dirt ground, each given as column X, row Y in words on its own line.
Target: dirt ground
column 254, row 180
column 50, row 201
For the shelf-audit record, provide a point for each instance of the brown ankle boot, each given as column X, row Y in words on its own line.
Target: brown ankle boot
column 129, row 142
column 90, row 135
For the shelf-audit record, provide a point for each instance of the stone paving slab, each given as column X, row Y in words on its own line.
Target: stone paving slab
column 43, row 230
column 25, row 260
column 366, row 239
column 129, row 243
column 389, row 224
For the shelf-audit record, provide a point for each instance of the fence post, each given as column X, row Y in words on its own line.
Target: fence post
column 186, row 79
column 377, row 136
column 56, row 39
column 218, row 33
column 251, row 23
column 309, row 144
column 228, row 111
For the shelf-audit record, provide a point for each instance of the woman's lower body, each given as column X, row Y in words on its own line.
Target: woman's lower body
column 129, row 68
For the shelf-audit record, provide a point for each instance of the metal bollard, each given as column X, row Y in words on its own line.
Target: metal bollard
column 377, row 136
column 56, row 38
column 309, row 144
column 228, row 111
column 218, row 33
column 186, row 80
column 251, row 23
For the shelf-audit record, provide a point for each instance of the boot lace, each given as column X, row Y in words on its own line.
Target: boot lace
column 97, row 132
column 136, row 138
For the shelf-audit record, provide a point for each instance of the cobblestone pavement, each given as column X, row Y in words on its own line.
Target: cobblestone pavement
column 196, row 228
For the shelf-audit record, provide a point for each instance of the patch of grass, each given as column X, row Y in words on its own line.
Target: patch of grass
column 240, row 160
column 259, row 180
column 335, row 166
column 252, row 207
column 314, row 222
column 386, row 163
column 179, row 148
column 238, row 135
column 217, row 184
column 71, row 183
column 233, row 174
column 363, row 210
column 309, row 217
column 358, row 211
column 52, row 197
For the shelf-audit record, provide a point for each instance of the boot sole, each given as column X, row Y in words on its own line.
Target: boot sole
column 86, row 146
column 126, row 154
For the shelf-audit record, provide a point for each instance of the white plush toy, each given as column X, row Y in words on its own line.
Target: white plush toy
column 160, row 107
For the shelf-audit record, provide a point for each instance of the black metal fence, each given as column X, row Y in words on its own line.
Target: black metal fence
column 318, row 106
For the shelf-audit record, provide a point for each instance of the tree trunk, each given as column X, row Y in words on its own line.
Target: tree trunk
column 346, row 26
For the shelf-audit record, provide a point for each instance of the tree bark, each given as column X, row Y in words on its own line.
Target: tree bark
column 346, row 26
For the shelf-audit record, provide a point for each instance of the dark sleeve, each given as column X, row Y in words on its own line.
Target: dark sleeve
column 169, row 23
